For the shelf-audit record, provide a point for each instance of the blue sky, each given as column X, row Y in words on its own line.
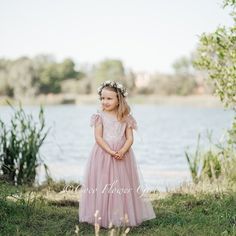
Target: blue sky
column 147, row 35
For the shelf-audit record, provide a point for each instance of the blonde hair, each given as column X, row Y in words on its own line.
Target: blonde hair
column 123, row 109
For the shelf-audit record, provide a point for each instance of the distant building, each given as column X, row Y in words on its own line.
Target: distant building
column 142, row 79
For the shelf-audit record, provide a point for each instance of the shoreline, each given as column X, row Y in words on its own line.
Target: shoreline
column 186, row 187
column 70, row 99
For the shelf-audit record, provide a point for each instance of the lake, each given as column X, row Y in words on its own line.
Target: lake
column 164, row 134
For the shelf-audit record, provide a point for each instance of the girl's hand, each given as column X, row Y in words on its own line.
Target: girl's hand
column 113, row 153
column 117, row 156
column 120, row 154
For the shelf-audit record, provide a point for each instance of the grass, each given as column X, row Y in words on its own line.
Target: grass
column 178, row 213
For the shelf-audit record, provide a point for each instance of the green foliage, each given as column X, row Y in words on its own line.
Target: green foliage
column 216, row 55
column 179, row 84
column 72, row 86
column 19, row 147
column 194, row 162
column 183, row 66
column 61, row 185
column 211, row 164
column 35, row 215
column 5, row 88
column 27, row 77
column 67, row 69
column 216, row 163
column 51, row 74
column 22, row 77
column 109, row 70
column 50, row 79
column 178, row 213
column 232, row 134
column 231, row 3
column 184, row 81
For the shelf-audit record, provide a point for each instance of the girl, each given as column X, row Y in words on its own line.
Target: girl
column 111, row 186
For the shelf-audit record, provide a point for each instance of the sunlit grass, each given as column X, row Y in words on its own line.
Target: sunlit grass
column 187, row 210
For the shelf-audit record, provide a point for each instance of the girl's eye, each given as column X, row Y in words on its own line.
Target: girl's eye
column 107, row 98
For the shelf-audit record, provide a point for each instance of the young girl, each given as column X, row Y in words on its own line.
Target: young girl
column 111, row 191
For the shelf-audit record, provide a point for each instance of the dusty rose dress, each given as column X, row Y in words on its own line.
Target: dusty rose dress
column 112, row 187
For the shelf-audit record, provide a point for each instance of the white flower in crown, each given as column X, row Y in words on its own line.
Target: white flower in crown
column 119, row 86
column 125, row 94
column 114, row 85
column 107, row 82
column 99, row 88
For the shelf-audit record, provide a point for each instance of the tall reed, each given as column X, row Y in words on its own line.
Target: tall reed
column 20, row 143
column 216, row 163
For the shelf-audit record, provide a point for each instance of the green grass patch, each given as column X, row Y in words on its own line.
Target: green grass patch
column 177, row 214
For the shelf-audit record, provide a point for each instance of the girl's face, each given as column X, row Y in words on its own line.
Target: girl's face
column 109, row 100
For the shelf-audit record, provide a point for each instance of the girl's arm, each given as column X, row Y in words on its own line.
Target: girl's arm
column 98, row 130
column 129, row 140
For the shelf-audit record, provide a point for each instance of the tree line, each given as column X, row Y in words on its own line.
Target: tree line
column 43, row 74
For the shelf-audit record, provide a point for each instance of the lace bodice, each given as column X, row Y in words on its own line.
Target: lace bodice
column 112, row 128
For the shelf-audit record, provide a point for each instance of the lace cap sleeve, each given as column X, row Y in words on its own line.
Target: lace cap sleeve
column 131, row 122
column 95, row 119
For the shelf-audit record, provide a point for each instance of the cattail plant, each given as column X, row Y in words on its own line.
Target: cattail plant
column 19, row 147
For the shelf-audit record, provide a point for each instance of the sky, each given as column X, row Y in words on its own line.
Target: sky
column 147, row 35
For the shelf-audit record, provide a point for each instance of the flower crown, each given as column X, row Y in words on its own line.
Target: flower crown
column 113, row 84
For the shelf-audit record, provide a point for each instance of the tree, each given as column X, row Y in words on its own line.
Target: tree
column 109, row 70
column 183, row 66
column 51, row 73
column 67, row 70
column 49, row 79
column 216, row 54
column 5, row 88
column 22, row 78
column 184, row 81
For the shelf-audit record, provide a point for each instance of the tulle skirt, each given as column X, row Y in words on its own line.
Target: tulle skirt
column 112, row 193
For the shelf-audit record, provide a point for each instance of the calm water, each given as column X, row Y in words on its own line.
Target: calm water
column 164, row 133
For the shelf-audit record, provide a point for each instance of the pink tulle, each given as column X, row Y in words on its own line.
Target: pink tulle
column 95, row 119
column 111, row 187
column 131, row 122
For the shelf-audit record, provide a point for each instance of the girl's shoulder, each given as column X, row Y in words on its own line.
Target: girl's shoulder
column 131, row 122
column 96, row 118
